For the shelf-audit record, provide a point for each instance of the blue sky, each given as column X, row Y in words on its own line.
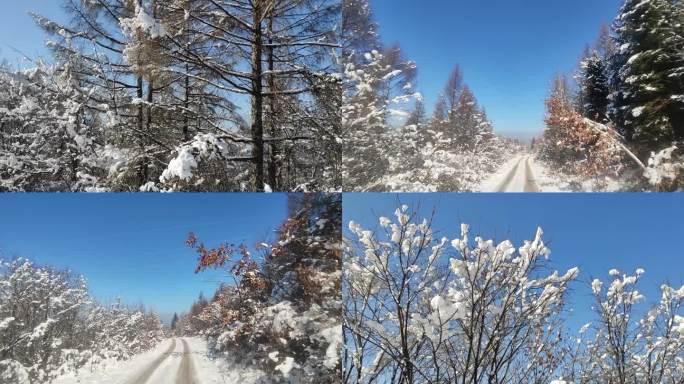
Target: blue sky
column 595, row 232
column 19, row 31
column 133, row 245
column 509, row 50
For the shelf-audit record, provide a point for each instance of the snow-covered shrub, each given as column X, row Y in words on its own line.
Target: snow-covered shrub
column 578, row 146
column 202, row 164
column 425, row 309
column 620, row 346
column 665, row 169
column 44, row 143
column 283, row 314
column 50, row 325
column 450, row 170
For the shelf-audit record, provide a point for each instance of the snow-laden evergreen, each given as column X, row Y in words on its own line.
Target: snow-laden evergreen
column 630, row 88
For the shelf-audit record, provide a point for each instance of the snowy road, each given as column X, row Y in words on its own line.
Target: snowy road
column 174, row 361
column 144, row 374
column 174, row 365
column 515, row 176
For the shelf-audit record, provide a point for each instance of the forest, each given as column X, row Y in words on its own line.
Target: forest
column 279, row 312
column 620, row 116
column 390, row 144
column 147, row 95
column 275, row 317
column 50, row 324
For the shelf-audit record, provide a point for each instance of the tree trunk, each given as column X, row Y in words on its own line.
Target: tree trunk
column 186, row 104
column 142, row 171
column 273, row 165
column 257, row 101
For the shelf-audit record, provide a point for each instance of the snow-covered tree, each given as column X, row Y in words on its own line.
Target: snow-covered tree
column 158, row 87
column 423, row 309
column 648, row 103
column 621, row 347
column 593, row 81
column 282, row 313
column 49, row 324
column 375, row 91
column 46, row 143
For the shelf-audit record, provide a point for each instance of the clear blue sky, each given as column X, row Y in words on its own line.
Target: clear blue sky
column 595, row 232
column 133, row 245
column 19, row 31
column 509, row 50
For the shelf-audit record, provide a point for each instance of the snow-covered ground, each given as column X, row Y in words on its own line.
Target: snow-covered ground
column 173, row 361
column 516, row 175
column 525, row 173
column 552, row 180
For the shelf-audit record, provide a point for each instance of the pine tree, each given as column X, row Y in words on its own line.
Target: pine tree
column 648, row 104
column 174, row 321
column 466, row 121
column 594, row 88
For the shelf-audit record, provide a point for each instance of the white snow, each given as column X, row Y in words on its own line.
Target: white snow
column 144, row 22
column 333, row 336
column 6, row 322
column 513, row 176
column 207, row 370
column 286, row 366
column 182, row 166
column 113, row 371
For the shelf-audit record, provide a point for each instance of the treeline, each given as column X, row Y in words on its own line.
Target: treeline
column 625, row 116
column 389, row 141
column 281, row 313
column 147, row 95
column 422, row 308
column 50, row 325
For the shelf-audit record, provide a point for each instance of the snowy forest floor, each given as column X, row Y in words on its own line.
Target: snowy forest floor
column 173, row 361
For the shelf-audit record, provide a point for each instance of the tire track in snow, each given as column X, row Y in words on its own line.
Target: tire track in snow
column 186, row 371
column 142, row 377
column 503, row 187
column 519, row 177
column 530, row 183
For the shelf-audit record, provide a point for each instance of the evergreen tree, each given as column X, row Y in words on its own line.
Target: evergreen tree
column 648, row 104
column 174, row 321
column 466, row 120
column 594, row 88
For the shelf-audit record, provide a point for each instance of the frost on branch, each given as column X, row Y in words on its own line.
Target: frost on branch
column 427, row 309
